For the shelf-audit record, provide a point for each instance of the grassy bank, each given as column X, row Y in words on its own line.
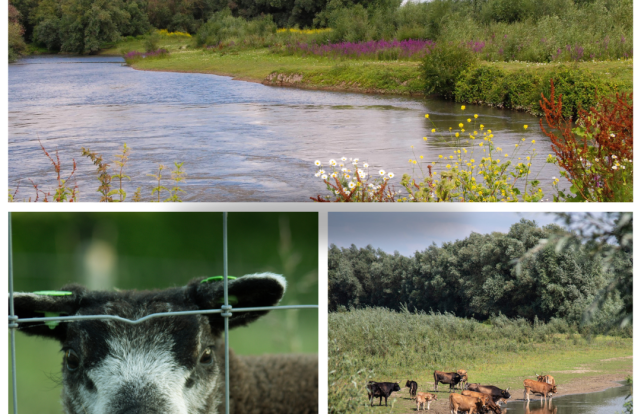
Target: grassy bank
column 382, row 345
column 510, row 85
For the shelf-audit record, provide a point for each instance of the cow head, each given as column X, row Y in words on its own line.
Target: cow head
column 553, row 389
column 396, row 387
column 505, row 393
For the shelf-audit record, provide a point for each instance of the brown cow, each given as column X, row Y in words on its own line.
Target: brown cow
column 548, row 379
column 463, row 374
column 451, row 378
column 538, row 388
column 424, row 397
column 460, row 402
column 413, row 386
column 485, row 398
column 495, row 392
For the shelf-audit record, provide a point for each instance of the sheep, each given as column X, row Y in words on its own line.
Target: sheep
column 172, row 364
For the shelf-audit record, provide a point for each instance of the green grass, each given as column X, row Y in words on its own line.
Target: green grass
column 381, row 345
column 393, row 77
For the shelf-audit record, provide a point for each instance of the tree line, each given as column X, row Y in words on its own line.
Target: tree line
column 82, row 26
column 477, row 277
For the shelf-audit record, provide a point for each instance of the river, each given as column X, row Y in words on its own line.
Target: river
column 609, row 401
column 239, row 141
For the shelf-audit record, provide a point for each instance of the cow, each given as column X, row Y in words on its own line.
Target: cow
column 491, row 390
column 451, row 378
column 413, row 386
column 427, row 397
column 463, row 374
column 486, row 399
column 548, row 379
column 381, row 389
column 462, row 403
column 538, row 388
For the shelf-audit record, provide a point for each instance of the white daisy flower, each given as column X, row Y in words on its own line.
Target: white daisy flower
column 343, row 159
column 317, row 163
column 324, row 176
column 332, row 163
column 390, row 175
column 352, row 184
column 366, row 165
column 382, row 172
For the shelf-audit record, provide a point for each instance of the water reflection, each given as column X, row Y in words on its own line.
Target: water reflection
column 239, row 141
column 609, row 401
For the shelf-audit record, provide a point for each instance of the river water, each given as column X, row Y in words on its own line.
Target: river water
column 239, row 141
column 609, row 401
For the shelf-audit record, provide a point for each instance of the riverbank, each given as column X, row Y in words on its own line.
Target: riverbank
column 595, row 382
column 508, row 85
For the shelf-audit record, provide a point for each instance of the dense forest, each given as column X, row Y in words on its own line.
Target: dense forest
column 477, row 277
column 538, row 26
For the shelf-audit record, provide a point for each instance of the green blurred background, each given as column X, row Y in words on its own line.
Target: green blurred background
column 155, row 251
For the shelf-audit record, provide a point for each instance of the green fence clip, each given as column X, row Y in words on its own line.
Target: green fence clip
column 51, row 324
column 216, row 278
column 53, row 293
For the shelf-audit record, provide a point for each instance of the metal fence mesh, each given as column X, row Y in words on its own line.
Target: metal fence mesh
column 225, row 311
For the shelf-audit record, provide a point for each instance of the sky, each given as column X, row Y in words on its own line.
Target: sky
column 409, row 232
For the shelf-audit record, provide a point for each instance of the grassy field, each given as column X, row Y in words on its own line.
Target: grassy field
column 381, row 345
column 314, row 72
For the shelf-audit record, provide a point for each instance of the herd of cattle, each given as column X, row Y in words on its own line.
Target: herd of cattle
column 475, row 398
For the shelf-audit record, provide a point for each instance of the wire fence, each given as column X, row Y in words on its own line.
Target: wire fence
column 225, row 311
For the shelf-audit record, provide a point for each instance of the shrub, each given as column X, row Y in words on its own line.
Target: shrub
column 596, row 155
column 442, row 67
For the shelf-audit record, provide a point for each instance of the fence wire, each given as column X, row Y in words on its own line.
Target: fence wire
column 225, row 311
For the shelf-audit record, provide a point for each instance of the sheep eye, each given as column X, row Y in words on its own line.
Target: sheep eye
column 72, row 361
column 207, row 358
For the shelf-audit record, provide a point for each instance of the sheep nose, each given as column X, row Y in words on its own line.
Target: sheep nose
column 139, row 409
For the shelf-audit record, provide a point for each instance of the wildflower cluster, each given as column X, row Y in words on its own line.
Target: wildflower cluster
column 596, row 154
column 374, row 49
column 134, row 56
column 164, row 32
column 465, row 177
column 304, row 31
column 477, row 170
column 347, row 181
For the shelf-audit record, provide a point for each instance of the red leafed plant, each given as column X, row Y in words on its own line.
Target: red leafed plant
column 596, row 152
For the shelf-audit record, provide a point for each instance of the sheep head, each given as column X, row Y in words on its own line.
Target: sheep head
column 167, row 364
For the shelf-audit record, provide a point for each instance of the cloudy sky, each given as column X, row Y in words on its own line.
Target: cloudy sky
column 409, row 232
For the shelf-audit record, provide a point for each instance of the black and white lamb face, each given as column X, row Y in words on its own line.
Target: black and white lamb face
column 171, row 364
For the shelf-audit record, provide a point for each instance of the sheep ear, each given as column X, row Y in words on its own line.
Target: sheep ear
column 45, row 304
column 257, row 290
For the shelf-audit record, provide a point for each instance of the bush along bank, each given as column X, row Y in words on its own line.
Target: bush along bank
column 522, row 89
column 454, row 72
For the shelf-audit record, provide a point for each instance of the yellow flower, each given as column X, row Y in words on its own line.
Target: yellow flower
column 433, row 130
column 489, row 131
column 463, row 108
column 440, row 156
column 469, row 120
column 457, row 135
column 533, row 141
column 481, row 144
column 460, row 125
column 451, row 156
column 472, row 160
column 424, row 138
column 524, row 126
column 448, row 166
column 506, row 155
column 482, row 126
column 427, row 115
column 476, row 116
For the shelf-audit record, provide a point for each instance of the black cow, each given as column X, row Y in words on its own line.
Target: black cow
column 451, row 378
column 495, row 392
column 381, row 389
column 413, row 386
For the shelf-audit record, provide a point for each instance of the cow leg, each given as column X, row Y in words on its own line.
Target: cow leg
column 428, row 405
